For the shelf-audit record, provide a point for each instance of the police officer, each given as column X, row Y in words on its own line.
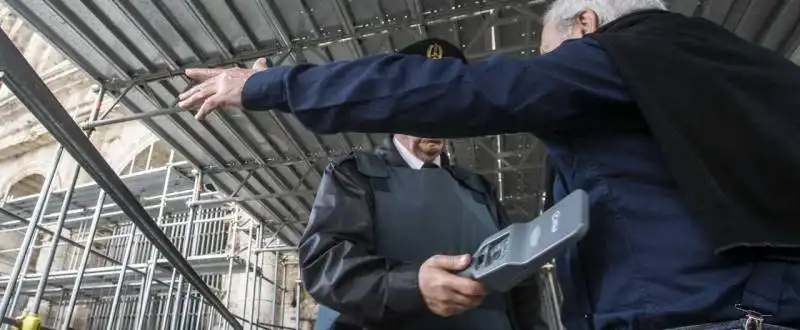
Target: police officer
column 389, row 229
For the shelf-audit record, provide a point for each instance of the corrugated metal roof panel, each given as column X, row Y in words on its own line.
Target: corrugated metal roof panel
column 144, row 43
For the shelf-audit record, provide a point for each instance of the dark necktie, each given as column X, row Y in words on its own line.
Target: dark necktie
column 430, row 165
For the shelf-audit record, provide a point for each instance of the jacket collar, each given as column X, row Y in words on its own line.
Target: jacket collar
column 391, row 155
column 631, row 20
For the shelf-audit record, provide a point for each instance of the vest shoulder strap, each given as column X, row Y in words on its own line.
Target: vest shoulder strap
column 371, row 165
column 470, row 179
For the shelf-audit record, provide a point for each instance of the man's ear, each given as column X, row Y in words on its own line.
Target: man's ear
column 586, row 22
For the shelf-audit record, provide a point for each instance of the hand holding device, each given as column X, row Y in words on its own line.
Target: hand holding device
column 445, row 293
column 515, row 253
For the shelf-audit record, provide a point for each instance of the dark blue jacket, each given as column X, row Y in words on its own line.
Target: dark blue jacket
column 645, row 262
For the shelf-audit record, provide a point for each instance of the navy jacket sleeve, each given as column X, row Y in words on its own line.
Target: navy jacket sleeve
column 444, row 98
column 337, row 263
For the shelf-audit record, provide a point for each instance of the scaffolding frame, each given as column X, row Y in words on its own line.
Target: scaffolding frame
column 190, row 300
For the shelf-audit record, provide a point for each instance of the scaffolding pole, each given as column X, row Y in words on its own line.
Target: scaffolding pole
column 247, row 272
column 260, row 264
column 84, row 260
column 293, row 193
column 148, row 278
column 122, row 272
column 298, row 300
column 185, row 249
column 85, row 218
column 37, row 299
column 277, row 249
column 38, row 209
column 194, row 212
column 231, row 255
column 275, row 275
column 23, row 81
column 139, row 116
column 63, row 238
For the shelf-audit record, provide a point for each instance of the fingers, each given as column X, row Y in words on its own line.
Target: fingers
column 461, row 285
column 467, row 287
column 195, row 89
column 202, row 74
column 450, row 263
column 464, row 301
column 209, row 105
column 453, row 303
column 196, row 96
column 446, row 293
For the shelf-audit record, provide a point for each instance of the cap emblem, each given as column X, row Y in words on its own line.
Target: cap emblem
column 435, row 52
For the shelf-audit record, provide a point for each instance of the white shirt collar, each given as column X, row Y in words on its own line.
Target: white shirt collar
column 410, row 159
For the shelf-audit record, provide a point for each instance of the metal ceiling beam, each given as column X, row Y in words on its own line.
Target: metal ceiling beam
column 503, row 50
column 211, row 31
column 223, row 118
column 268, row 9
column 782, row 24
column 686, row 7
column 325, row 53
column 528, row 12
column 416, row 10
column 292, row 193
column 443, row 17
column 347, row 22
column 133, row 17
column 35, row 95
column 383, row 16
column 485, row 27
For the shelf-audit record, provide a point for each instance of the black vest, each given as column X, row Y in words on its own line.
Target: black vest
column 727, row 115
column 420, row 213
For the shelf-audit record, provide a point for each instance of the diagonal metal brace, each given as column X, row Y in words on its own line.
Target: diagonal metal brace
column 23, row 81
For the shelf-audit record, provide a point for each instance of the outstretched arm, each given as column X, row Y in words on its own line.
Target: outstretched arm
column 443, row 98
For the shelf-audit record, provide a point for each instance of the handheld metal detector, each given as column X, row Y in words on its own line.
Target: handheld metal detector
column 515, row 253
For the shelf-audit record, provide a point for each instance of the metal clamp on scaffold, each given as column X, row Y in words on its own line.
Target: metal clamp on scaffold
column 515, row 253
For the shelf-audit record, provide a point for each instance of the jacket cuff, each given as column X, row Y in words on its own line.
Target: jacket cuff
column 404, row 296
column 265, row 90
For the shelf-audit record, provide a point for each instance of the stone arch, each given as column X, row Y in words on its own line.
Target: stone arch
column 32, row 175
column 123, row 141
column 30, row 184
column 26, row 183
column 151, row 156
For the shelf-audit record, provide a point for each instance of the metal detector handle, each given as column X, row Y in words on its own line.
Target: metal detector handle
column 516, row 252
column 468, row 273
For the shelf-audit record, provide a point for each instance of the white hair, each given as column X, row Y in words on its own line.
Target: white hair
column 564, row 12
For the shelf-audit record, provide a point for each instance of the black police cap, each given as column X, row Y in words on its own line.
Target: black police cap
column 434, row 48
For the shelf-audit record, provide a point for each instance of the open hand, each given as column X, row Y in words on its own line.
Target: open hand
column 217, row 88
column 445, row 293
